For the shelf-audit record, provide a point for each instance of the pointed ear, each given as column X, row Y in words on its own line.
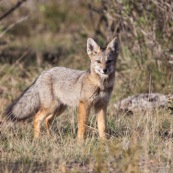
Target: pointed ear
column 92, row 46
column 114, row 46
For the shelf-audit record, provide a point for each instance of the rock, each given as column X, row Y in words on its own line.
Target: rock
column 144, row 102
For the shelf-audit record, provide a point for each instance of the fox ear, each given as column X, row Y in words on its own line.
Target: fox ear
column 114, row 46
column 92, row 46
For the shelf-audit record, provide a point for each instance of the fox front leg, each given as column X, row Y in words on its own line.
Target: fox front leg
column 101, row 121
column 83, row 114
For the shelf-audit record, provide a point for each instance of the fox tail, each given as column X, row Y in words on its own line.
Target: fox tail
column 25, row 106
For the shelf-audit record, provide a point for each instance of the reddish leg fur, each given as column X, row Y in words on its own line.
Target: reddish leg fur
column 101, row 121
column 83, row 114
column 38, row 120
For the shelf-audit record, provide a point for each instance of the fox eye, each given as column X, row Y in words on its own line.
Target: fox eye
column 98, row 61
column 109, row 61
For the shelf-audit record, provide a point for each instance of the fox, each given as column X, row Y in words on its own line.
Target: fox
column 59, row 87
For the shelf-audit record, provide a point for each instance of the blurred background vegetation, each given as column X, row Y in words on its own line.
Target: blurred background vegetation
column 42, row 34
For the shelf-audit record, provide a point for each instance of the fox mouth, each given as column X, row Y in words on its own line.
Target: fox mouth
column 103, row 72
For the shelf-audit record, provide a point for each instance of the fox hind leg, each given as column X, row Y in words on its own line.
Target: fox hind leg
column 49, row 119
column 48, row 122
column 39, row 118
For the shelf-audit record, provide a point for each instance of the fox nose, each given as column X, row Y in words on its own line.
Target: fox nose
column 105, row 70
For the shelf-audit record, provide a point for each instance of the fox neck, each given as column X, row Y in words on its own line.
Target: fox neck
column 101, row 80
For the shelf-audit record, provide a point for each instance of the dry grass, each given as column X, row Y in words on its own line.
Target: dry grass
column 137, row 143
column 142, row 142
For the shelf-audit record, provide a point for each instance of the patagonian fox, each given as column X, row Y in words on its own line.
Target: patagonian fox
column 59, row 87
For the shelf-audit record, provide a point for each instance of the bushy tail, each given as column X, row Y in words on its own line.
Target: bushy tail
column 25, row 106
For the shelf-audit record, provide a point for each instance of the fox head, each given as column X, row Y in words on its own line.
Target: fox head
column 103, row 61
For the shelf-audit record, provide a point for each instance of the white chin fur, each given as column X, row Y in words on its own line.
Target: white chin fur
column 101, row 73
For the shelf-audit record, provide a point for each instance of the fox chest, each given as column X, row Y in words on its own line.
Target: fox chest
column 100, row 95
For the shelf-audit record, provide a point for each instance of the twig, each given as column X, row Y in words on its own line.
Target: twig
column 19, row 3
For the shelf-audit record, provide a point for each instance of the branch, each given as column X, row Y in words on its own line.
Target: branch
column 12, row 9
